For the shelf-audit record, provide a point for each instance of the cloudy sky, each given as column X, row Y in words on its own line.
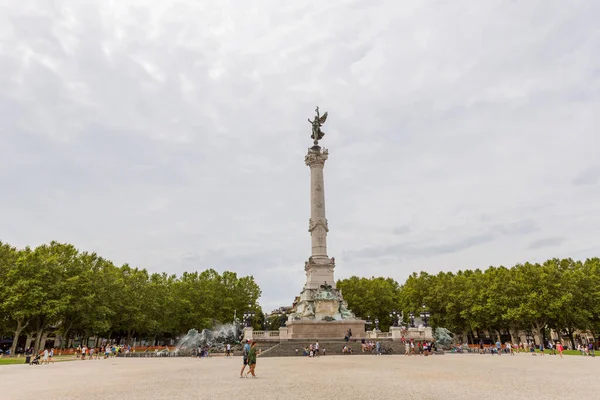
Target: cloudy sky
column 171, row 134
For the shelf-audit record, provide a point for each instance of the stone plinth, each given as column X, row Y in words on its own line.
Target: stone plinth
column 396, row 332
column 421, row 333
column 310, row 329
column 283, row 334
column 248, row 332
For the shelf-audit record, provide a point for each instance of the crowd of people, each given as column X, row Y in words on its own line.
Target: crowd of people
column 105, row 351
column 551, row 347
column 418, row 348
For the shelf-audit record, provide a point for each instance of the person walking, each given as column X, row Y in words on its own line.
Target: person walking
column 560, row 349
column 252, row 360
column 228, row 350
column 317, row 348
column 552, row 348
column 245, row 352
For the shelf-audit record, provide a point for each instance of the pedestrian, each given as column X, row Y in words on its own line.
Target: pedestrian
column 252, row 360
column 560, row 349
column 50, row 355
column 551, row 347
column 228, row 350
column 245, row 352
column 317, row 348
column 45, row 357
column 542, row 348
column 591, row 350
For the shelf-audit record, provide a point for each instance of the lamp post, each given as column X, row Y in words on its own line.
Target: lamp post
column 411, row 316
column 395, row 315
column 283, row 320
column 248, row 318
column 425, row 316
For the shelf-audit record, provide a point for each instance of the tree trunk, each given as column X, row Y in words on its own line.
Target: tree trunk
column 66, row 336
column 28, row 341
column 20, row 327
column 571, row 339
column 43, row 341
column 38, row 340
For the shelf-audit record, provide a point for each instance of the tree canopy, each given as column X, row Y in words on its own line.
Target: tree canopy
column 563, row 295
column 57, row 288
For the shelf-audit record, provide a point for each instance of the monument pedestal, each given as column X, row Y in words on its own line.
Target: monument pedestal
column 311, row 329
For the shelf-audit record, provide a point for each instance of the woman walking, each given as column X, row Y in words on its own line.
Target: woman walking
column 560, row 349
column 252, row 360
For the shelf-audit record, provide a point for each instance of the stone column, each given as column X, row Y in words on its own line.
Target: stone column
column 317, row 225
column 319, row 268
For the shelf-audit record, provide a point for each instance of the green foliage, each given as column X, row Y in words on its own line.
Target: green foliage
column 57, row 288
column 371, row 298
column 559, row 294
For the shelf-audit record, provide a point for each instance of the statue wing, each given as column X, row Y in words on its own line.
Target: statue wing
column 323, row 118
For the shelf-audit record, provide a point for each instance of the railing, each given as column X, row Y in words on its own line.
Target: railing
column 265, row 335
column 384, row 334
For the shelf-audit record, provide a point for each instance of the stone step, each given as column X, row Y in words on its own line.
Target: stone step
column 288, row 349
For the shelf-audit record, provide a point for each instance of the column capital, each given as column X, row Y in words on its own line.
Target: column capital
column 316, row 157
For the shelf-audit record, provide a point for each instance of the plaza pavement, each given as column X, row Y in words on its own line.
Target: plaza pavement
column 449, row 376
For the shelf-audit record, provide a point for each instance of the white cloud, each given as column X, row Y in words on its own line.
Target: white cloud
column 171, row 135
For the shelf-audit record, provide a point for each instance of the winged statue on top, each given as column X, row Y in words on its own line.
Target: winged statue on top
column 317, row 133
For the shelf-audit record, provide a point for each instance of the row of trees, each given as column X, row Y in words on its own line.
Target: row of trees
column 563, row 295
column 56, row 288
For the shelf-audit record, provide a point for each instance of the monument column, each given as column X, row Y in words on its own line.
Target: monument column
column 317, row 225
column 320, row 311
column 319, row 268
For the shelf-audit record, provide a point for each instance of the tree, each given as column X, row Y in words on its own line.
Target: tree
column 374, row 297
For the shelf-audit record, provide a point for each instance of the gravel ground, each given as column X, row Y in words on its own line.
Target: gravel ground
column 332, row 377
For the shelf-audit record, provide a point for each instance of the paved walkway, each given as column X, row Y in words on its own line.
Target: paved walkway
column 332, row 377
